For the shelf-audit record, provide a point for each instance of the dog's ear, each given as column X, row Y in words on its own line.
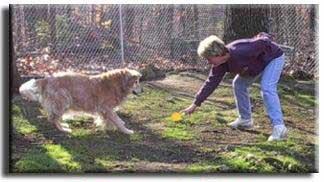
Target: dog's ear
column 134, row 73
column 41, row 84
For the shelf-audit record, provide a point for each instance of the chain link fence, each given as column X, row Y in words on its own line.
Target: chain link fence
column 97, row 38
column 295, row 28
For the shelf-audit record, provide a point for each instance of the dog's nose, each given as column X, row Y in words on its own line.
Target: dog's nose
column 135, row 93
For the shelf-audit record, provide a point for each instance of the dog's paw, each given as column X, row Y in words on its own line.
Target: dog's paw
column 129, row 132
column 65, row 125
column 66, row 130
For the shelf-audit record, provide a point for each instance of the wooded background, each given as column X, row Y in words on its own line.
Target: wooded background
column 96, row 38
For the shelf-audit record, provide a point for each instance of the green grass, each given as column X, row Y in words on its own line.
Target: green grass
column 50, row 158
column 204, row 167
column 200, row 143
column 264, row 157
column 179, row 132
column 81, row 133
column 20, row 123
column 267, row 158
column 37, row 162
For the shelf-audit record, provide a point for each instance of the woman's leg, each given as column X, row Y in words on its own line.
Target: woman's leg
column 242, row 100
column 269, row 81
column 242, row 97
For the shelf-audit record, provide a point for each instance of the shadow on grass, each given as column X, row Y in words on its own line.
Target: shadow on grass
column 293, row 125
column 252, row 131
column 114, row 152
column 303, row 157
column 114, row 146
column 26, row 152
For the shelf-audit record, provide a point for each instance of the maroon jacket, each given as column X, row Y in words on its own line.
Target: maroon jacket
column 248, row 57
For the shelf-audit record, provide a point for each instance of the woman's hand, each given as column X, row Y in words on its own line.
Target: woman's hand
column 190, row 109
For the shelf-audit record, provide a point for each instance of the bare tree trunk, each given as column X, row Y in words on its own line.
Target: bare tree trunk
column 14, row 77
column 129, row 22
column 93, row 14
column 243, row 21
column 128, row 27
column 21, row 27
column 52, row 23
column 140, row 37
column 195, row 22
column 313, row 16
column 14, row 74
column 166, row 33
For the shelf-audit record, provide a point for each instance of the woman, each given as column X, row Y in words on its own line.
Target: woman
column 249, row 59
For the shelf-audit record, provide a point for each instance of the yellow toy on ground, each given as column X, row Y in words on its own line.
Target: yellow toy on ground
column 176, row 117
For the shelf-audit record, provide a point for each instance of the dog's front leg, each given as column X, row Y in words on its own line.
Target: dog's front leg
column 114, row 118
column 56, row 121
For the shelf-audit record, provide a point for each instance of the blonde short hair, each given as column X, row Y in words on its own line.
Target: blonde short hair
column 211, row 46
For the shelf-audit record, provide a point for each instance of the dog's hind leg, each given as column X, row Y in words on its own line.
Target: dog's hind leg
column 115, row 119
column 56, row 105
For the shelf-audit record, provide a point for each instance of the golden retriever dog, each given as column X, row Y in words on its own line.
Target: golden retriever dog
column 97, row 95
